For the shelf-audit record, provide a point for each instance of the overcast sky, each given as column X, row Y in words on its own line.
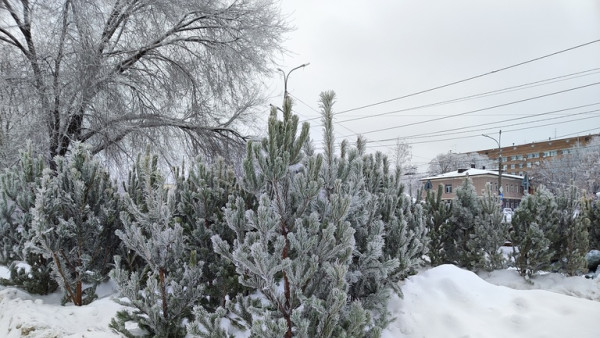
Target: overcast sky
column 374, row 51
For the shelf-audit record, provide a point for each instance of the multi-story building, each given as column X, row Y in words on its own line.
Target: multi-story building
column 519, row 159
column 512, row 185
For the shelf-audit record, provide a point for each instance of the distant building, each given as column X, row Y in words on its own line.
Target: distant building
column 512, row 188
column 519, row 159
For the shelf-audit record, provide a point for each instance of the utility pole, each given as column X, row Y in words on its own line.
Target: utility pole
column 286, row 76
column 499, row 161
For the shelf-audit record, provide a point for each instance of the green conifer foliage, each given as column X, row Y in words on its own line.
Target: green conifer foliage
column 163, row 296
column 296, row 246
column 592, row 213
column 201, row 196
column 438, row 213
column 18, row 188
column 74, row 219
column 569, row 239
column 533, row 220
column 490, row 232
column 316, row 245
column 466, row 211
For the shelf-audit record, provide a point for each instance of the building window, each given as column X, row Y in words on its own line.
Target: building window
column 512, row 166
column 528, row 164
column 513, row 158
column 533, row 155
column 550, row 153
column 448, row 188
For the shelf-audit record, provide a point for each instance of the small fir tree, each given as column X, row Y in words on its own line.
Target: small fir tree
column 164, row 296
column 438, row 213
column 74, row 219
column 18, row 189
column 201, row 196
column 460, row 248
column 569, row 239
column 533, row 220
column 592, row 213
column 297, row 245
column 490, row 232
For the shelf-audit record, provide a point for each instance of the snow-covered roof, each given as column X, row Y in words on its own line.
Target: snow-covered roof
column 471, row 172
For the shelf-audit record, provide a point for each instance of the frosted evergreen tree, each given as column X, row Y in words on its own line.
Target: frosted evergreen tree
column 164, row 296
column 466, row 212
column 296, row 246
column 592, row 213
column 533, row 220
column 438, row 213
column 490, row 232
column 18, row 189
column 201, row 194
column 74, row 220
column 569, row 239
column 389, row 230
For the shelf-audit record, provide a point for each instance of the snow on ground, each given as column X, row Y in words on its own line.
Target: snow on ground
column 24, row 315
column 444, row 301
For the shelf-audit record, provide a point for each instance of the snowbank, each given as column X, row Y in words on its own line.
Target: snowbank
column 27, row 315
column 450, row 302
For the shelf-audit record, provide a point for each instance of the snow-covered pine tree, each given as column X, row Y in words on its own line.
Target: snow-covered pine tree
column 533, row 219
column 390, row 233
column 372, row 270
column 461, row 227
column 569, row 239
column 592, row 213
column 389, row 230
column 296, row 246
column 490, row 232
column 438, row 213
column 74, row 220
column 201, row 194
column 164, row 295
column 18, row 188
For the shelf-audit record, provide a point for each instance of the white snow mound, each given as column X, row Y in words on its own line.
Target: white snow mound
column 447, row 301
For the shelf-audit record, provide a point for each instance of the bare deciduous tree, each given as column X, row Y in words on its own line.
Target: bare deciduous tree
column 446, row 162
column 579, row 167
column 127, row 72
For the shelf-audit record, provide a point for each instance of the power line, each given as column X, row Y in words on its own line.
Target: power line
column 456, row 130
column 480, row 95
column 471, row 78
column 479, row 135
column 481, row 109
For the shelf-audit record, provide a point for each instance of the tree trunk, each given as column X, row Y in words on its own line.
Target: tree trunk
column 286, row 284
column 163, row 291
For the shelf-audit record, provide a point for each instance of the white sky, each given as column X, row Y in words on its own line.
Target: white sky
column 372, row 51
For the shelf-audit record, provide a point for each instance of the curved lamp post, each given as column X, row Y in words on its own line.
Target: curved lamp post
column 286, row 76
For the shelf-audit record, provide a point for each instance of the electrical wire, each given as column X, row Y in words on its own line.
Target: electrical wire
column 479, row 135
column 481, row 109
column 472, row 77
column 529, row 85
column 456, row 130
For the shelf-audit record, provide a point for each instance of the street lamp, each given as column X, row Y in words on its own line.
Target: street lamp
column 499, row 159
column 286, row 76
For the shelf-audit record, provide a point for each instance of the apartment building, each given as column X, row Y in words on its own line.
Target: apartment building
column 519, row 159
column 512, row 185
